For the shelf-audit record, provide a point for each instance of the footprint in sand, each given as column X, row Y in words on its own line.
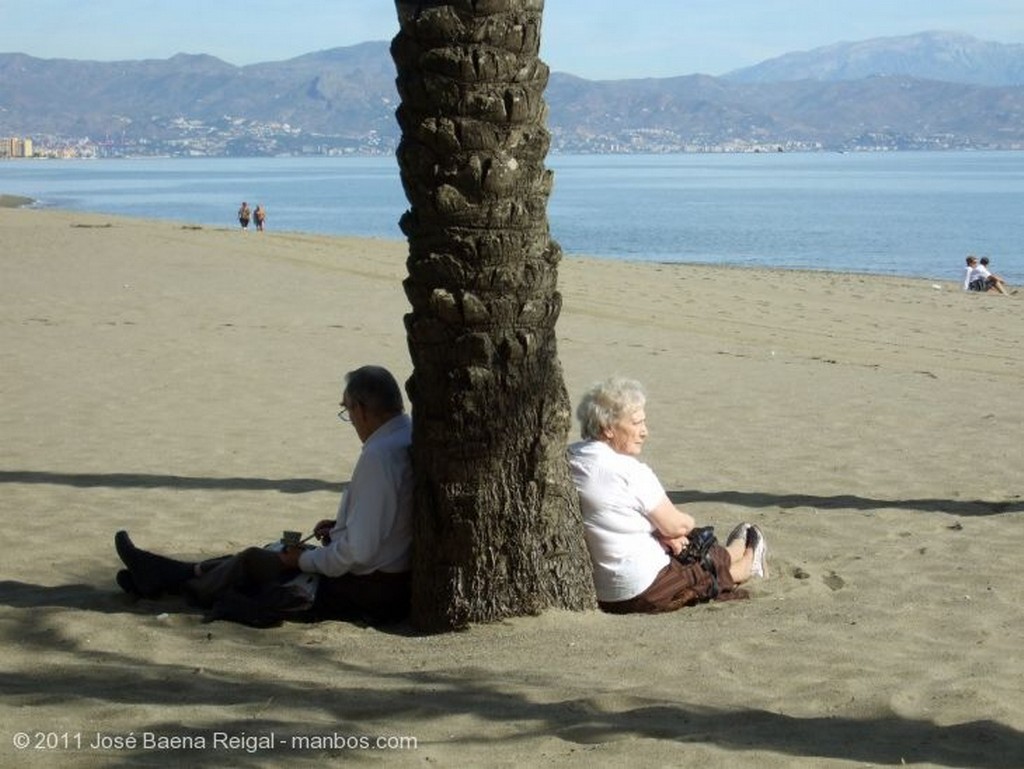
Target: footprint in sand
column 834, row 582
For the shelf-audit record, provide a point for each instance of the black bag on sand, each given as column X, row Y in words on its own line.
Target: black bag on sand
column 700, row 542
column 698, row 550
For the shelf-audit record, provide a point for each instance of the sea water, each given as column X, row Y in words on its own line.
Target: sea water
column 913, row 214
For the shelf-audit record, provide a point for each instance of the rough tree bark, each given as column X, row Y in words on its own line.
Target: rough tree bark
column 498, row 529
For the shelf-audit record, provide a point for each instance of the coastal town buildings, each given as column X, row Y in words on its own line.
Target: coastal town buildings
column 236, row 137
column 15, row 147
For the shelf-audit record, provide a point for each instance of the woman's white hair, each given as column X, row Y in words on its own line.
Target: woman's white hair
column 605, row 403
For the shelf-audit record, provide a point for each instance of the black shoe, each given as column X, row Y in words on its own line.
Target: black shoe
column 150, row 574
column 127, row 583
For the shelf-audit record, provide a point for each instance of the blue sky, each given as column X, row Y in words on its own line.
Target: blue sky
column 592, row 38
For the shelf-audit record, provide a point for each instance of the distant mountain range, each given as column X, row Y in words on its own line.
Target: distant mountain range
column 944, row 56
column 932, row 90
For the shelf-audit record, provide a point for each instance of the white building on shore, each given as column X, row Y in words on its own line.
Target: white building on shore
column 15, row 147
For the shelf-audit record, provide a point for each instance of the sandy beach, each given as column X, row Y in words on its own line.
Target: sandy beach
column 182, row 383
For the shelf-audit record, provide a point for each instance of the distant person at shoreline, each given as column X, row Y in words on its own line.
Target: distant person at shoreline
column 244, row 215
column 995, row 281
column 978, row 278
column 974, row 279
column 259, row 216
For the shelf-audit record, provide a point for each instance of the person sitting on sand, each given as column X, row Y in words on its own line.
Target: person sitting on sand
column 365, row 553
column 636, row 537
column 995, row 282
column 978, row 278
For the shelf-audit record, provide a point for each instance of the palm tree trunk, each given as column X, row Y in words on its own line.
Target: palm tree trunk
column 498, row 529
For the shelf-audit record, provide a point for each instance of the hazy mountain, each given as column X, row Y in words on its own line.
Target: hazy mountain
column 933, row 90
column 944, row 56
column 344, row 91
column 700, row 112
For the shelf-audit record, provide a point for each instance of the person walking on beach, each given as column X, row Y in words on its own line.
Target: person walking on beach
column 363, row 562
column 244, row 214
column 259, row 216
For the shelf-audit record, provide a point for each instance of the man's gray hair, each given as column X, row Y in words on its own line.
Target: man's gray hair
column 375, row 389
column 605, row 403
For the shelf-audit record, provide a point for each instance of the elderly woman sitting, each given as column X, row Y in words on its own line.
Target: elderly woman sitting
column 633, row 530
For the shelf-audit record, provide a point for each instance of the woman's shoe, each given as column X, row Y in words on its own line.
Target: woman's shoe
column 756, row 540
column 740, row 532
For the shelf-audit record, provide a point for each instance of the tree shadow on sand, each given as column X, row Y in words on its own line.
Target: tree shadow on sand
column 112, row 600
column 155, row 481
column 360, row 700
column 89, row 597
column 24, row 595
column 751, row 499
column 847, row 502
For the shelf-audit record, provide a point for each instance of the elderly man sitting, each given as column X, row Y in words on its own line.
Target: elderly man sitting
column 364, row 559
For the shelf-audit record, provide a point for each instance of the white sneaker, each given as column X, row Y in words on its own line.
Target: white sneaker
column 740, row 532
column 756, row 540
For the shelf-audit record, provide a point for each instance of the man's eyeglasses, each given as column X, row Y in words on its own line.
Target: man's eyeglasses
column 343, row 415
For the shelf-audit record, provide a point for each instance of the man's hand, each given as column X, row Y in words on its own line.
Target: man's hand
column 322, row 531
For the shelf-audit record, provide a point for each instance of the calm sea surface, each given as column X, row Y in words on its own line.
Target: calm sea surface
column 913, row 214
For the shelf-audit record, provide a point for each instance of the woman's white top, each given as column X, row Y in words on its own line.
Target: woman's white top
column 617, row 493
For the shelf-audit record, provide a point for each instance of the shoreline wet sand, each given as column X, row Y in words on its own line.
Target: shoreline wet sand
column 14, row 201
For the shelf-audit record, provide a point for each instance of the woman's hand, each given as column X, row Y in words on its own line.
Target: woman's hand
column 672, row 545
